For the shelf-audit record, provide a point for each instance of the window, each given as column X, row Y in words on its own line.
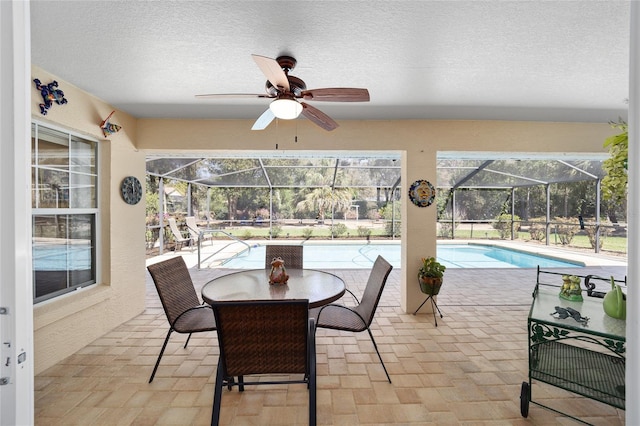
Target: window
column 64, row 199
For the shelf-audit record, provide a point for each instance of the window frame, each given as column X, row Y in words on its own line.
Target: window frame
column 68, row 212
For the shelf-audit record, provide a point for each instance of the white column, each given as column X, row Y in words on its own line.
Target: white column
column 16, row 292
column 633, row 216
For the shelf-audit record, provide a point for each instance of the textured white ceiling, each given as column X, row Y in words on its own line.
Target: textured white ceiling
column 513, row 60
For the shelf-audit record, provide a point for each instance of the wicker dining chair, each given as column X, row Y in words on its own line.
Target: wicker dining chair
column 265, row 337
column 181, row 305
column 292, row 255
column 358, row 318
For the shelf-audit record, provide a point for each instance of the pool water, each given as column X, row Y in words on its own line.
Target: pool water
column 59, row 257
column 482, row 256
column 355, row 256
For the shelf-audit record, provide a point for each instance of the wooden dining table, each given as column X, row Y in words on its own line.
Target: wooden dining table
column 319, row 287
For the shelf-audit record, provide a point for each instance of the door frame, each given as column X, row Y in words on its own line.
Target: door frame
column 16, row 282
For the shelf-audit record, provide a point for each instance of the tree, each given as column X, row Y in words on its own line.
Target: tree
column 323, row 199
column 614, row 184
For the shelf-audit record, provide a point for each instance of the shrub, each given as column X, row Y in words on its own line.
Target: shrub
column 307, row 232
column 276, row 230
column 537, row 231
column 247, row 234
column 566, row 229
column 391, row 212
column 373, row 214
column 445, row 229
column 503, row 225
column 339, row 229
column 605, row 231
column 350, row 214
column 364, row 232
column 392, row 232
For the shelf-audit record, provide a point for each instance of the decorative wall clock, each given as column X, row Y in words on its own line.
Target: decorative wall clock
column 131, row 190
column 422, row 193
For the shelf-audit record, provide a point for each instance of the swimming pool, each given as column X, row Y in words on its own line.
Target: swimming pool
column 61, row 257
column 362, row 256
column 486, row 256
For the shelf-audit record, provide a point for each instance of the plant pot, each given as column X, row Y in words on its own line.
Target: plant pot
column 429, row 285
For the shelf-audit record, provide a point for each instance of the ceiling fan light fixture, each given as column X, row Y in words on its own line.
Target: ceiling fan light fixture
column 286, row 109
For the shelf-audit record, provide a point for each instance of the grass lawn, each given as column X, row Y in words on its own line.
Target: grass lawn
column 612, row 244
column 247, row 232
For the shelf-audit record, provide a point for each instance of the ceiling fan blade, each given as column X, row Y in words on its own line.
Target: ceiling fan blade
column 318, row 117
column 264, row 120
column 232, row 95
column 336, row 94
column 273, row 71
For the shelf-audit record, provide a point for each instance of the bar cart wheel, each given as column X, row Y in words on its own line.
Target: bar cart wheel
column 524, row 399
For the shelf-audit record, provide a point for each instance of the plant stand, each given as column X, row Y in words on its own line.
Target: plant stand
column 431, row 290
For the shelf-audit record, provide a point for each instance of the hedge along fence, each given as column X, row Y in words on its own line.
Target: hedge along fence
column 567, row 228
column 505, row 224
column 567, row 232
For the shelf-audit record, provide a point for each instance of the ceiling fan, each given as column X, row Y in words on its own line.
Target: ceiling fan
column 285, row 90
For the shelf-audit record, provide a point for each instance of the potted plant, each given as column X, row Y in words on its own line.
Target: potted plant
column 430, row 276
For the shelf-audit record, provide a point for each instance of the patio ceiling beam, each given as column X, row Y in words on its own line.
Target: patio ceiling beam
column 466, row 188
column 578, row 169
column 181, row 167
column 472, row 174
column 235, row 172
column 264, row 172
column 293, row 166
column 541, row 182
column 169, row 177
column 395, row 185
column 335, row 174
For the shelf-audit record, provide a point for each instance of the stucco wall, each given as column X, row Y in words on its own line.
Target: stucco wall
column 65, row 324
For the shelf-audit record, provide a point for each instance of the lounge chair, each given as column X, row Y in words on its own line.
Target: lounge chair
column 180, row 239
column 197, row 234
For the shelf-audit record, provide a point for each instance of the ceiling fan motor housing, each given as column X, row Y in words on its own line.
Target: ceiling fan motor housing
column 287, row 63
column 297, row 86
